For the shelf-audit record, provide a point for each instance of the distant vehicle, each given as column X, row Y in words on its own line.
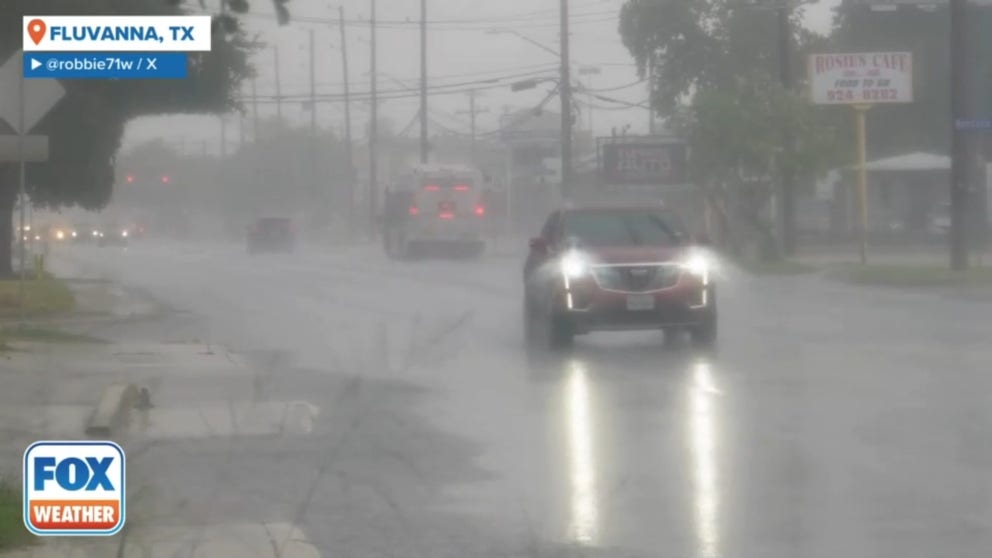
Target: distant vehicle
column 60, row 233
column 85, row 233
column 113, row 234
column 435, row 206
column 271, row 234
column 939, row 223
column 606, row 268
column 137, row 230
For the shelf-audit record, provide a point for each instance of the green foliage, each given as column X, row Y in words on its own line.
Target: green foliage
column 45, row 297
column 912, row 276
column 13, row 534
column 717, row 79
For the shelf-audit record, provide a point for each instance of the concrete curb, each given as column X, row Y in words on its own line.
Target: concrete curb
column 112, row 409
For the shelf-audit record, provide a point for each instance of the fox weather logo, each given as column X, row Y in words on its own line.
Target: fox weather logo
column 74, row 488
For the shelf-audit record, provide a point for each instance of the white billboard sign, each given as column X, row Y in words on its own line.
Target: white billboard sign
column 861, row 78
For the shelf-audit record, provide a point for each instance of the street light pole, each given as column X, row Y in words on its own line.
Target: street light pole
column 787, row 196
column 959, row 158
column 424, row 151
column 566, row 106
column 347, row 123
column 373, row 130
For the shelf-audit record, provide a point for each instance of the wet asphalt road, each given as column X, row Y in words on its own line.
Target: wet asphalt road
column 832, row 421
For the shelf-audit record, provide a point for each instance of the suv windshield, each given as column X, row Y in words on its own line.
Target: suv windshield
column 623, row 228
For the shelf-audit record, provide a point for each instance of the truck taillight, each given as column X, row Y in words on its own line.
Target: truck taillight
column 432, row 188
column 446, row 215
column 461, row 188
column 480, row 210
column 414, row 210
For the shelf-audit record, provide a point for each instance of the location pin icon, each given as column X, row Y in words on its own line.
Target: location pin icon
column 36, row 30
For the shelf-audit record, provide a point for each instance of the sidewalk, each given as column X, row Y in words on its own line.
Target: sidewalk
column 247, row 540
column 199, row 392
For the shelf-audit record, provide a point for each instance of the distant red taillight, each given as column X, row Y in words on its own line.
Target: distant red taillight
column 480, row 210
column 447, row 215
column 461, row 188
column 414, row 210
column 432, row 188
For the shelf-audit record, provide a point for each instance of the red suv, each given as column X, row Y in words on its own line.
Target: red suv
column 617, row 269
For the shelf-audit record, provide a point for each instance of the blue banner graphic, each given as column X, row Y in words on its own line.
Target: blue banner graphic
column 111, row 65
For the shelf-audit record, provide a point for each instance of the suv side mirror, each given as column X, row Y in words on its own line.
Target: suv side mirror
column 539, row 244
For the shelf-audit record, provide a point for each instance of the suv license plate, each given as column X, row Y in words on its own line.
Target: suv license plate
column 640, row 303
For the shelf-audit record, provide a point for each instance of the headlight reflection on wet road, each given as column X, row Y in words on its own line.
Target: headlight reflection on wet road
column 583, row 502
column 703, row 444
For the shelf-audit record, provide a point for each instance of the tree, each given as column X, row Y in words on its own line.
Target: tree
column 734, row 136
column 716, row 70
column 85, row 128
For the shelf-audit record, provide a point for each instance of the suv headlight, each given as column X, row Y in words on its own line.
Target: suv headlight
column 698, row 265
column 574, row 265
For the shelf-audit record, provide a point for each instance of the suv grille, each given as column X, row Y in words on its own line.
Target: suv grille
column 636, row 278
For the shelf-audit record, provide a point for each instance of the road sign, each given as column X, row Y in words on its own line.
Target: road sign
column 644, row 162
column 858, row 78
column 966, row 125
column 35, row 149
column 40, row 95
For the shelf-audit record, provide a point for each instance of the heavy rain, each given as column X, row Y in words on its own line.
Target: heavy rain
column 524, row 278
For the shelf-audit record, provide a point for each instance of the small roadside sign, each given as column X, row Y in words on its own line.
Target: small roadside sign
column 861, row 78
column 967, row 125
column 40, row 95
column 35, row 149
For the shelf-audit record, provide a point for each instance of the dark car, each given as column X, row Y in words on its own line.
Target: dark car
column 113, row 234
column 271, row 234
column 617, row 269
column 85, row 233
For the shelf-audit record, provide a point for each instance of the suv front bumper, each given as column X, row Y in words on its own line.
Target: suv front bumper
column 589, row 308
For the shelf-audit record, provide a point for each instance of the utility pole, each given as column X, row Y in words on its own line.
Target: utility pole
column 313, row 92
column 373, row 131
column 254, row 112
column 471, row 109
column 275, row 50
column 347, row 123
column 223, row 136
column 652, row 122
column 959, row 156
column 473, row 112
column 787, row 195
column 424, row 145
column 223, row 116
column 566, row 106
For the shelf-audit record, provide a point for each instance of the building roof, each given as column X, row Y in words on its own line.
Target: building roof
column 910, row 162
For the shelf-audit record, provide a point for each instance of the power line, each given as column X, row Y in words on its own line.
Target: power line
column 439, row 23
column 537, row 68
column 617, row 88
column 439, row 89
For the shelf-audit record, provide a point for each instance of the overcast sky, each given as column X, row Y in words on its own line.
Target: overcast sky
column 468, row 44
